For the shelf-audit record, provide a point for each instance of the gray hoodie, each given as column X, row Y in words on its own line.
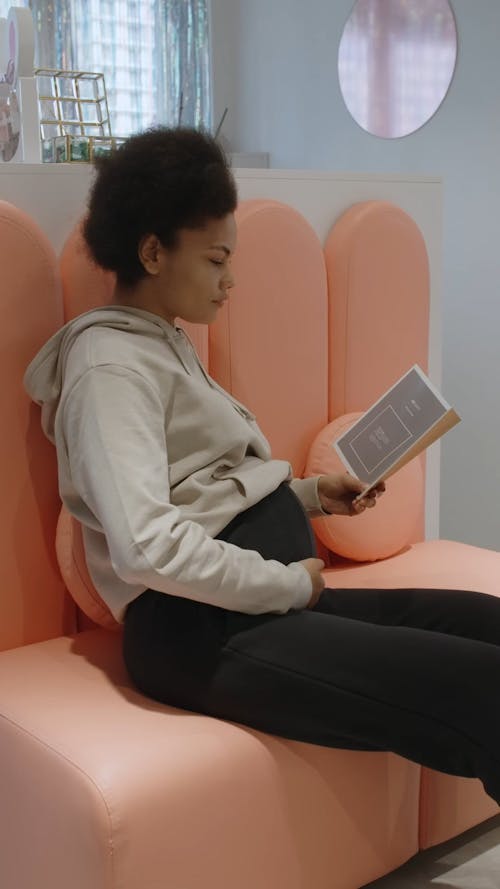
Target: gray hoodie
column 154, row 459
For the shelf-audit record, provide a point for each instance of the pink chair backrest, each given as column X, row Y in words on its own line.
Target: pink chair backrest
column 34, row 604
column 378, row 281
column 268, row 345
column 379, row 291
column 293, row 350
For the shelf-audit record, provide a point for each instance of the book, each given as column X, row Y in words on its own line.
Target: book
column 405, row 420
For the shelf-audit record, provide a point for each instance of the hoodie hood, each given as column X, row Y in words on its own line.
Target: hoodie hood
column 43, row 379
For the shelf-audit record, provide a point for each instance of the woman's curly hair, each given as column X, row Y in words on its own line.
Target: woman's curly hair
column 158, row 182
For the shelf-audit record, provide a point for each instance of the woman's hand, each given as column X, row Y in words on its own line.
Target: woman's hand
column 314, row 568
column 338, row 491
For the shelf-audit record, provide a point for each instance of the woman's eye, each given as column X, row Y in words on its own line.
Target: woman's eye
column 216, row 261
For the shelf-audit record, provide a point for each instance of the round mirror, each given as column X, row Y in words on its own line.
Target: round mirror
column 396, row 62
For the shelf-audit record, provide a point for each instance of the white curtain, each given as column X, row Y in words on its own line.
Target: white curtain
column 153, row 53
column 183, row 61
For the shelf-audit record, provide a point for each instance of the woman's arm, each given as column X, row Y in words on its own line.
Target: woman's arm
column 334, row 494
column 306, row 490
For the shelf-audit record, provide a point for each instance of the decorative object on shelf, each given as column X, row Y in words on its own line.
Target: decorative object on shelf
column 396, row 62
column 74, row 116
column 72, row 103
column 19, row 118
column 77, row 149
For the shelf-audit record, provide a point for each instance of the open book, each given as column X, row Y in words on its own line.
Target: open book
column 402, row 423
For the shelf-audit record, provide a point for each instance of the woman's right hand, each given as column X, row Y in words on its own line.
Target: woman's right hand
column 314, row 567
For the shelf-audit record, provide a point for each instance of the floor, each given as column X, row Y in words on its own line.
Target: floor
column 470, row 861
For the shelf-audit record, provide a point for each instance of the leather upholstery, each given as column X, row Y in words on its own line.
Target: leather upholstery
column 105, row 789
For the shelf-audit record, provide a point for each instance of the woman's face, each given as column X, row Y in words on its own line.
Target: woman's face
column 192, row 280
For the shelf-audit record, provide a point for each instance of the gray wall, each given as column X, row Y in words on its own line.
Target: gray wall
column 275, row 65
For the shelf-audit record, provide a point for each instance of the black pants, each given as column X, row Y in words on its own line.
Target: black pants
column 416, row 672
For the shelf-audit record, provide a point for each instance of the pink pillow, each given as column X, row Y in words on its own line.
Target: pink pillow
column 73, row 567
column 376, row 533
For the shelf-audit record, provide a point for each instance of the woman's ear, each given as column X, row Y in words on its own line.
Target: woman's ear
column 149, row 253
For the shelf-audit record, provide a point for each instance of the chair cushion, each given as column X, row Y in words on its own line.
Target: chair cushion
column 379, row 532
column 72, row 564
column 127, row 789
column 432, row 564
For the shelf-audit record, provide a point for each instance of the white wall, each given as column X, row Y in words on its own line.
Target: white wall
column 275, row 65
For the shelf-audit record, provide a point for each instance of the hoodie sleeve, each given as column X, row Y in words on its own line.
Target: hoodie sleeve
column 113, row 426
column 306, row 490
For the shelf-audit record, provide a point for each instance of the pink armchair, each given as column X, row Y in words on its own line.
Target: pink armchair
column 102, row 788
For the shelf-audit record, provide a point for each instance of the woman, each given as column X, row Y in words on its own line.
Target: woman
column 199, row 541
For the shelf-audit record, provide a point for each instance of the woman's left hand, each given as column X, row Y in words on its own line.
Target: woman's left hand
column 337, row 492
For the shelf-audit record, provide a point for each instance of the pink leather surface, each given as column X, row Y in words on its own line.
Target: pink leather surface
column 85, row 286
column 128, row 790
column 33, row 603
column 268, row 344
column 378, row 280
column 144, row 795
column 73, row 566
column 442, row 564
column 54, row 821
column 378, row 283
column 449, row 806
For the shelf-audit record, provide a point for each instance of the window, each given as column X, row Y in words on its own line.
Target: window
column 153, row 54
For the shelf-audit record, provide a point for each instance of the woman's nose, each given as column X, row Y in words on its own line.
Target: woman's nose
column 227, row 281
